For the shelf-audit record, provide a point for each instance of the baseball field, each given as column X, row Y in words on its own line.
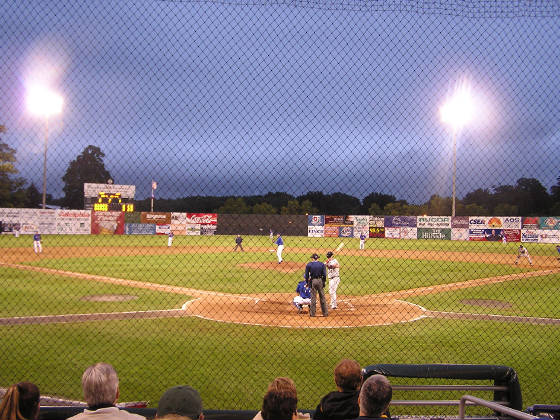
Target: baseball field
column 222, row 321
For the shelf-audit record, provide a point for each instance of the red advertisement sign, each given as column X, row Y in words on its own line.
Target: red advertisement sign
column 202, row 218
column 107, row 223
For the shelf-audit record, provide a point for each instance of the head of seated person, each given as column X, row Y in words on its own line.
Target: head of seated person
column 375, row 396
column 21, row 402
column 348, row 375
column 280, row 401
column 180, row 402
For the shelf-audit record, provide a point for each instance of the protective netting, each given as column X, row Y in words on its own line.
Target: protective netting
column 316, row 120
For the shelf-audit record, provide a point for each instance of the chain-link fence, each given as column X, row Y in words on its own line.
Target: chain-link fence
column 166, row 151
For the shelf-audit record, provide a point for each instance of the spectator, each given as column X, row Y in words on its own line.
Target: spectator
column 100, row 385
column 281, row 393
column 180, row 403
column 375, row 397
column 343, row 403
column 21, row 402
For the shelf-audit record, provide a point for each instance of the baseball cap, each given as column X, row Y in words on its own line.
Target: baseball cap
column 314, row 257
column 329, row 254
column 182, row 400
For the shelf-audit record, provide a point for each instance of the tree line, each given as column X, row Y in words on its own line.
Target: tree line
column 527, row 197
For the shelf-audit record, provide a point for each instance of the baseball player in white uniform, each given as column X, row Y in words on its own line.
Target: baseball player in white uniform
column 280, row 247
column 170, row 239
column 333, row 268
column 522, row 252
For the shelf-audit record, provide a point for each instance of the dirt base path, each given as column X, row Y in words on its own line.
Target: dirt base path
column 270, row 309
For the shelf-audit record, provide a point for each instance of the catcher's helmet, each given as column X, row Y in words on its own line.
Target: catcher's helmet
column 314, row 257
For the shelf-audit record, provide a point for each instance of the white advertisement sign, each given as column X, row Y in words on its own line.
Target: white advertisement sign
column 73, row 222
column 433, row 221
column 315, row 231
column 393, row 233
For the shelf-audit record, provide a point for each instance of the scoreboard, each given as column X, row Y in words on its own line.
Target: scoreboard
column 112, row 202
column 109, row 197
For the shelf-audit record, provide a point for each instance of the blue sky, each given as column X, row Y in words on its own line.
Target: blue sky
column 223, row 98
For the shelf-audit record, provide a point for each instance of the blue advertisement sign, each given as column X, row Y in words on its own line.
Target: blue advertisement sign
column 400, row 221
column 345, row 231
column 315, row 220
column 139, row 229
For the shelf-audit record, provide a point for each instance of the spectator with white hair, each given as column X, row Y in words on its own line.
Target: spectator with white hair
column 375, row 396
column 100, row 385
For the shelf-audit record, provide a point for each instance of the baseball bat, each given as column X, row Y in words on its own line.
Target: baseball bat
column 339, row 247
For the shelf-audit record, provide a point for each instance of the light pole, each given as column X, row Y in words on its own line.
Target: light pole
column 43, row 102
column 456, row 112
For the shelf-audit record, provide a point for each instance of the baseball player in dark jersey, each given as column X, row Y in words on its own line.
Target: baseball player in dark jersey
column 315, row 276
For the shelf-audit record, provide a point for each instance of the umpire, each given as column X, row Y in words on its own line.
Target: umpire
column 315, row 276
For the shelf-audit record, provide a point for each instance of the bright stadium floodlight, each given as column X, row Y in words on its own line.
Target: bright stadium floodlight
column 44, row 103
column 457, row 112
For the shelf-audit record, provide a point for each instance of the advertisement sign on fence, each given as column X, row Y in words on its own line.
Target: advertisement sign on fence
column 512, row 235
column 107, row 222
column 477, row 223
column 460, row 222
column 315, row 231
column 139, row 229
column 158, row 218
column 530, row 223
column 408, row 233
column 73, row 222
column 377, row 221
column 345, row 231
column 400, row 221
column 393, row 233
column 434, row 233
column 511, row 222
column 529, row 235
column 477, row 234
column 178, row 218
column 208, row 230
column 434, row 221
column 315, row 220
column 376, row 232
column 549, row 236
column 331, row 231
column 552, row 223
column 202, row 218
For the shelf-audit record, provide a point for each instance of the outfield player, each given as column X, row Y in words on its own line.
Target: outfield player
column 334, row 277
column 238, row 241
column 303, row 297
column 504, row 239
column 280, row 247
column 37, row 243
column 558, row 249
column 362, row 240
column 522, row 252
column 170, row 239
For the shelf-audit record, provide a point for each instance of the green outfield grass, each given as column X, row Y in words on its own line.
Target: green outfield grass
column 232, row 364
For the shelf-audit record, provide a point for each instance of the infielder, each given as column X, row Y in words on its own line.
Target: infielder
column 280, row 247
column 334, row 277
column 170, row 239
column 304, row 295
column 522, row 252
column 362, row 240
column 37, row 246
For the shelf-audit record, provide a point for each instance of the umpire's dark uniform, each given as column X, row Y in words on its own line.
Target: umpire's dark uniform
column 315, row 276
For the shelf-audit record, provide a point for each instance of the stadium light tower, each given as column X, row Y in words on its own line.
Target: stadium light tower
column 456, row 112
column 44, row 103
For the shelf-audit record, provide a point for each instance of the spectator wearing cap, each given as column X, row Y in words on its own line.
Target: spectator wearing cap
column 180, row 402
column 100, row 385
column 375, row 396
column 316, row 276
column 343, row 403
